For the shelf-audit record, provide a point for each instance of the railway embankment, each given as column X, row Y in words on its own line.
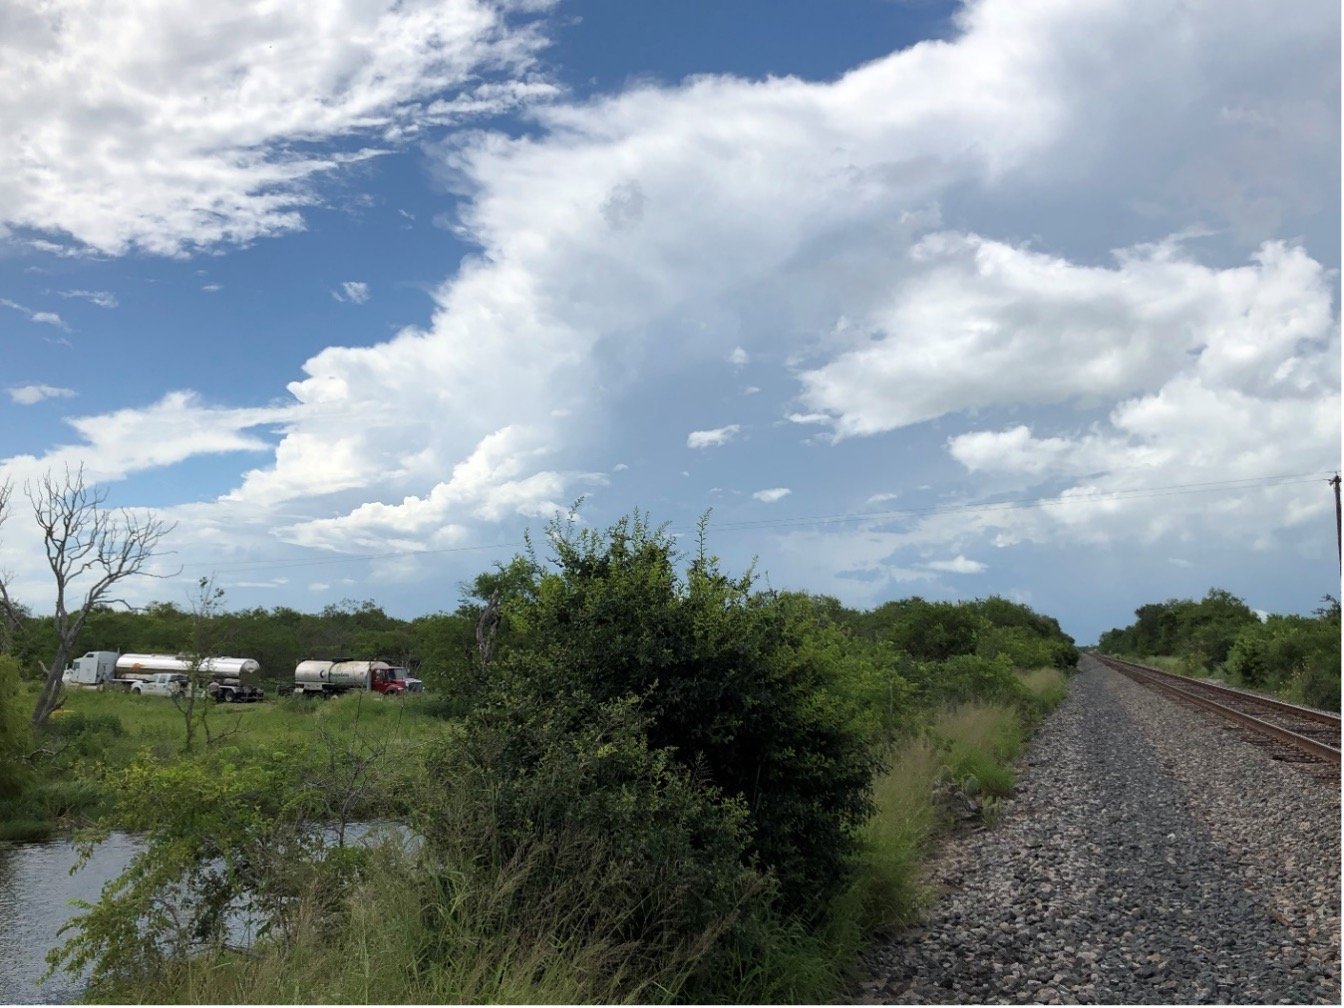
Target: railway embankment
column 1149, row 855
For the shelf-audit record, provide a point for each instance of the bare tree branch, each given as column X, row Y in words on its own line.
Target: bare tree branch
column 84, row 540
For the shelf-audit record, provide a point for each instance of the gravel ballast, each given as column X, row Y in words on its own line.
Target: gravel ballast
column 1149, row 856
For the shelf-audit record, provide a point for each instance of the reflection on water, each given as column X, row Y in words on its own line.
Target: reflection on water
column 36, row 888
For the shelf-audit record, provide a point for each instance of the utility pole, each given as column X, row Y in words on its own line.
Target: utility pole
column 1339, row 541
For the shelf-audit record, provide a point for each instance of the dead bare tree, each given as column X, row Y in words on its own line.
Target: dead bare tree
column 195, row 702
column 90, row 544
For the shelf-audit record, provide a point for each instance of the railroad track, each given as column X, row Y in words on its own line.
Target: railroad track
column 1294, row 734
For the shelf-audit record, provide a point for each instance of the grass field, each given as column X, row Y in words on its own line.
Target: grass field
column 95, row 733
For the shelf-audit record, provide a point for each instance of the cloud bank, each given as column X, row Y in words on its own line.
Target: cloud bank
column 1106, row 215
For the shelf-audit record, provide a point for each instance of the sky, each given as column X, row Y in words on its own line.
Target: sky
column 1021, row 297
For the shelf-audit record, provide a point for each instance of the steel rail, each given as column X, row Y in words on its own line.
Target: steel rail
column 1220, row 689
column 1173, row 684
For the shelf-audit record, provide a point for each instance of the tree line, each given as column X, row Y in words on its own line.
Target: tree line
column 443, row 648
column 1297, row 656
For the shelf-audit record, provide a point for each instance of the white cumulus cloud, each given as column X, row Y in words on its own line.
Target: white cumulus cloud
column 166, row 126
column 957, row 565
column 772, row 495
column 354, row 291
column 27, row 395
column 712, row 438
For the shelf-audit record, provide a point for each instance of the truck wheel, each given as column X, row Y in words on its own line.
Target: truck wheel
column 227, row 696
column 135, row 690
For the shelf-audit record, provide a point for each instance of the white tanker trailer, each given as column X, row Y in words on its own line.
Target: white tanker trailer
column 107, row 669
column 329, row 678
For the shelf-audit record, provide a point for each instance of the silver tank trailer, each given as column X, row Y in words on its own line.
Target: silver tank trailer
column 225, row 674
column 329, row 677
column 142, row 666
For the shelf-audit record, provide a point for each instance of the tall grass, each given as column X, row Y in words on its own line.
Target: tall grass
column 97, row 732
column 411, row 933
column 1047, row 686
column 980, row 742
column 972, row 744
column 889, row 890
column 1187, row 665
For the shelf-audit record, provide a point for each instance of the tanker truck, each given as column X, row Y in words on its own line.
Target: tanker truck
column 110, row 670
column 330, row 678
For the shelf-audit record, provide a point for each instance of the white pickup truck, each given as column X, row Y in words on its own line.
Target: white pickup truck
column 162, row 684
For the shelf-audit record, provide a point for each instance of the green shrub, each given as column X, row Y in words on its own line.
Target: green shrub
column 15, row 735
column 73, row 735
column 1317, row 683
column 608, row 840
column 965, row 677
column 1294, row 655
column 741, row 686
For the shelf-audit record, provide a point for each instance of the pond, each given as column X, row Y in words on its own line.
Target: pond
column 36, row 888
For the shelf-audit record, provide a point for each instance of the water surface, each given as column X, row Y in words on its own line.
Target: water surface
column 36, row 888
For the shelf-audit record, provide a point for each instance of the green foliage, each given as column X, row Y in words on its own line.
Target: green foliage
column 741, row 686
column 927, row 631
column 625, row 839
column 963, row 678
column 200, row 822
column 15, row 736
column 557, row 862
column 873, row 678
column 992, row 627
column 444, row 656
column 1201, row 632
column 262, row 828
column 1294, row 655
column 1297, row 656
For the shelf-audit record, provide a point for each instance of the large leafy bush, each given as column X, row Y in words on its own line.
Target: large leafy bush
column 603, row 838
column 738, row 685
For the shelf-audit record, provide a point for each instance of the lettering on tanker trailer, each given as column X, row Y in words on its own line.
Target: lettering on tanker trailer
column 329, row 678
column 108, row 669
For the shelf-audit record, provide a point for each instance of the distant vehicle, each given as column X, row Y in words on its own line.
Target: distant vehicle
column 331, row 678
column 162, row 684
column 110, row 670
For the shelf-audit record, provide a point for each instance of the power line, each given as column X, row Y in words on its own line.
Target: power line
column 1018, row 504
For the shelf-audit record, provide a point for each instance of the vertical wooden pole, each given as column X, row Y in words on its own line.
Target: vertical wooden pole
column 1339, row 542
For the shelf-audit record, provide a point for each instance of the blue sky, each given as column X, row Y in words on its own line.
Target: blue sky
column 920, row 298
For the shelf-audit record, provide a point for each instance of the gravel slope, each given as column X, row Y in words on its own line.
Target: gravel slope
column 1149, row 857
